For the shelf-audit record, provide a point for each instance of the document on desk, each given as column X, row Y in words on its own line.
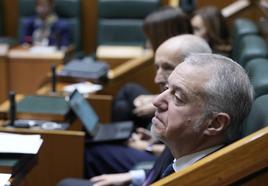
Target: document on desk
column 4, row 179
column 19, row 143
column 83, row 87
column 43, row 49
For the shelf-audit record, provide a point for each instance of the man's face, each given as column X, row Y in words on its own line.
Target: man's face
column 179, row 117
column 43, row 8
column 166, row 59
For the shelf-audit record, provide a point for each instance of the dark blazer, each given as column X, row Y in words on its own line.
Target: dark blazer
column 60, row 33
column 152, row 175
column 163, row 161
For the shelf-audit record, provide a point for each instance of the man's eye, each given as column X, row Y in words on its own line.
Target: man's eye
column 177, row 99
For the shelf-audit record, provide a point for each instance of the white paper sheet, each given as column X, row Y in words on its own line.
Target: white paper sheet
column 83, row 88
column 18, row 143
column 4, row 179
column 43, row 49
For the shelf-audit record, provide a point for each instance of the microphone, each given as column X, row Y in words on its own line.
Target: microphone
column 53, row 78
column 12, row 108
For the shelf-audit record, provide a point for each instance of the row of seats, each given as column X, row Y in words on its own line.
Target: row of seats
column 251, row 51
column 120, row 22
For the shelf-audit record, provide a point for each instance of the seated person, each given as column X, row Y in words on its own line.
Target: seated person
column 45, row 29
column 170, row 53
column 198, row 113
column 134, row 102
column 209, row 23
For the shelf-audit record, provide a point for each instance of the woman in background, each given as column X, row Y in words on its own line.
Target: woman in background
column 209, row 23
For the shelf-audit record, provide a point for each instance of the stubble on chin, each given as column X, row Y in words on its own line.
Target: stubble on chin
column 155, row 135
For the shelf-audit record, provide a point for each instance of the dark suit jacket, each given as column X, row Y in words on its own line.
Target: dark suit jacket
column 165, row 159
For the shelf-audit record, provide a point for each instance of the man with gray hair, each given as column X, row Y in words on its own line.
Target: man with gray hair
column 202, row 109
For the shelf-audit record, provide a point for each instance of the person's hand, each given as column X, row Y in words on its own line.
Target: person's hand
column 143, row 133
column 144, row 105
column 143, row 100
column 136, row 142
column 111, row 179
column 145, row 110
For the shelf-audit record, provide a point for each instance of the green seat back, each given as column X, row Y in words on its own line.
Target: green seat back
column 120, row 21
column 69, row 10
column 258, row 116
column 250, row 47
column 241, row 28
column 257, row 70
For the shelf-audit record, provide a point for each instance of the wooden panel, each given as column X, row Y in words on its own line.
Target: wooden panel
column 89, row 25
column 27, row 71
column 3, row 73
column 227, row 165
column 252, row 12
column 140, row 70
column 218, row 3
column 11, row 14
column 26, row 76
column 61, row 155
column 102, row 104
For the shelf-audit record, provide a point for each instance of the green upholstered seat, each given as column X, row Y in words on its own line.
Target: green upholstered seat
column 258, row 116
column 250, row 47
column 120, row 21
column 242, row 27
column 68, row 10
column 26, row 9
column 257, row 70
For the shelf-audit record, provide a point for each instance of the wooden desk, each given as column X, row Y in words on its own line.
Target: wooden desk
column 26, row 71
column 117, row 55
column 102, row 104
column 61, row 156
column 139, row 70
column 3, row 73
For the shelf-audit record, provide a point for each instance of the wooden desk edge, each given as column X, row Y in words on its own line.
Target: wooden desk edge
column 201, row 167
column 40, row 131
column 129, row 65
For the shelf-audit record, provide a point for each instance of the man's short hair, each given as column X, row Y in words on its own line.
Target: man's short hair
column 227, row 90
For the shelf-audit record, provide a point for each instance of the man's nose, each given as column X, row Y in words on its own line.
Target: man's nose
column 161, row 101
column 159, row 77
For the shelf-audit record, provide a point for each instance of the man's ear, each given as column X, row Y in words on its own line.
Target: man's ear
column 217, row 124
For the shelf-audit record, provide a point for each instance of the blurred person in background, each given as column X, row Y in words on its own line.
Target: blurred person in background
column 45, row 28
column 209, row 23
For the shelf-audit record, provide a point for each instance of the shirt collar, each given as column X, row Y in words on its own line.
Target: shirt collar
column 189, row 159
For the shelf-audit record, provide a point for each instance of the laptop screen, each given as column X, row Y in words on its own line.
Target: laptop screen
column 84, row 111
